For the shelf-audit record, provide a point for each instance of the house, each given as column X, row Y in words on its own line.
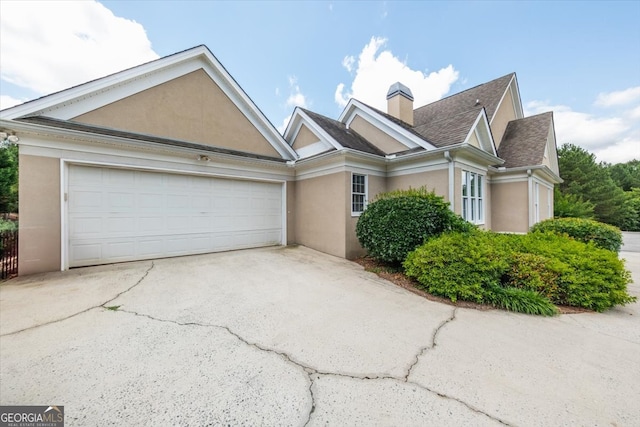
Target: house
column 173, row 158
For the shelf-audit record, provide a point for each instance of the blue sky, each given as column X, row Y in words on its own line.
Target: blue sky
column 579, row 59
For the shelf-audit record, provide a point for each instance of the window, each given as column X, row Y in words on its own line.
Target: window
column 358, row 193
column 472, row 197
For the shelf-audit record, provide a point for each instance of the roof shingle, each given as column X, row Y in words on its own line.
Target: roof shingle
column 488, row 96
column 345, row 137
column 524, row 141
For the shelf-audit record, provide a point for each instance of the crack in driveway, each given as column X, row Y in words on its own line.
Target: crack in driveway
column 144, row 275
column 311, row 371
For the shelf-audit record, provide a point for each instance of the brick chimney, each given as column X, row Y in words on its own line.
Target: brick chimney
column 400, row 103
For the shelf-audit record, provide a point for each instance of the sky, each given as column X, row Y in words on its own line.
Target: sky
column 580, row 60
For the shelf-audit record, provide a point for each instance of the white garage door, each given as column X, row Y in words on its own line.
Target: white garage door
column 119, row 215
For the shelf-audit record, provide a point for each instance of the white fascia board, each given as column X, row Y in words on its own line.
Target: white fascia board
column 482, row 120
column 318, row 131
column 514, row 92
column 87, row 97
column 52, row 139
column 385, row 125
column 239, row 97
column 340, row 161
column 76, row 93
column 542, row 170
column 478, row 155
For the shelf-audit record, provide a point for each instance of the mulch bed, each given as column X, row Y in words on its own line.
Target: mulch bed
column 399, row 279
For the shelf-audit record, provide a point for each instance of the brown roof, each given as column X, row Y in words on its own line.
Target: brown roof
column 345, row 137
column 71, row 125
column 524, row 141
column 449, row 130
column 488, row 96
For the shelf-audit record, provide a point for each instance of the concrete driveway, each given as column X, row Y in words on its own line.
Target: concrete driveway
column 290, row 336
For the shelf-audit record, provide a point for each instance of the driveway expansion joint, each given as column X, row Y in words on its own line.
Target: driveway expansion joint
column 144, row 275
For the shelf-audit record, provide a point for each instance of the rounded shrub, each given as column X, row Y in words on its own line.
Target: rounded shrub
column 526, row 273
column 586, row 230
column 398, row 222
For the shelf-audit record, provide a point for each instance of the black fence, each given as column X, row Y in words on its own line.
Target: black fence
column 8, row 254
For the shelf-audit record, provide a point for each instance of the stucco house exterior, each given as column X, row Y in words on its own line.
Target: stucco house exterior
column 173, row 158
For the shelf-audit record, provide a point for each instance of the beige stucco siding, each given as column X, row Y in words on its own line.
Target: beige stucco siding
column 436, row 180
column 375, row 186
column 400, row 108
column 304, row 138
column 319, row 213
column 291, row 212
column 473, row 140
column 375, row 136
column 39, row 238
column 190, row 108
column 502, row 117
column 509, row 210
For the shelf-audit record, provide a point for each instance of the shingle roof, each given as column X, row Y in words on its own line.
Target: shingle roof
column 524, row 141
column 71, row 125
column 488, row 95
column 449, row 130
column 345, row 137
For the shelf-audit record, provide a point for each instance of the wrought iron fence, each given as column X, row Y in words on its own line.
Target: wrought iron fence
column 8, row 254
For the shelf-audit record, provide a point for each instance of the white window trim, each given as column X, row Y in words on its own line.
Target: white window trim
column 366, row 193
column 480, row 208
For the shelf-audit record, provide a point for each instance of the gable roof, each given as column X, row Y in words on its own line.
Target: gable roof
column 488, row 96
column 72, row 102
column 343, row 135
column 525, row 140
column 450, row 130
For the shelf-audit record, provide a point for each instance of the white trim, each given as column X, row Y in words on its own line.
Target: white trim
column 64, row 183
column 517, row 106
column 530, row 196
column 285, row 213
column 64, row 199
column 366, row 194
column 481, row 141
column 355, row 107
column 89, row 96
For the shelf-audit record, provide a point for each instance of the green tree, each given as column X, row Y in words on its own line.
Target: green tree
column 591, row 181
column 626, row 175
column 571, row 206
column 9, row 179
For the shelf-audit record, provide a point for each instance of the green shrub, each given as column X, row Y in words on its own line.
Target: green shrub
column 603, row 235
column 526, row 273
column 8, row 225
column 397, row 222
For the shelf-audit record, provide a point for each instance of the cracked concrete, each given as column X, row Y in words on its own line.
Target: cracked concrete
column 285, row 336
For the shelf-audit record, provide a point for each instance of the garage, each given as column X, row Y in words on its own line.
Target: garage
column 119, row 214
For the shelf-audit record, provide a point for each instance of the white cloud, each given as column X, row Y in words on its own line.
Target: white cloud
column 621, row 97
column 7, row 101
column 611, row 138
column 48, row 46
column 295, row 99
column 285, row 123
column 378, row 69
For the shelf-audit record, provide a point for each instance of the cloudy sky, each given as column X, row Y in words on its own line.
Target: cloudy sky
column 579, row 59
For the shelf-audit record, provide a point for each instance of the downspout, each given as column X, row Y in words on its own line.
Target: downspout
column 530, row 186
column 452, row 183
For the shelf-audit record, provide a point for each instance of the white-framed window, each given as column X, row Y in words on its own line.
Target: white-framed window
column 473, row 197
column 536, row 202
column 358, row 194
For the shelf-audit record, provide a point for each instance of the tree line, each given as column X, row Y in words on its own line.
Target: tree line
column 608, row 193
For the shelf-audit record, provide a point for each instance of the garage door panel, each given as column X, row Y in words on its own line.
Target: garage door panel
column 121, row 215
